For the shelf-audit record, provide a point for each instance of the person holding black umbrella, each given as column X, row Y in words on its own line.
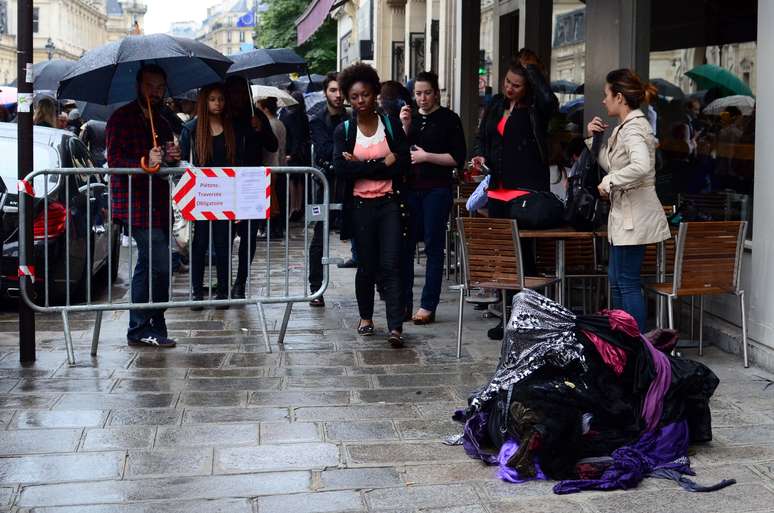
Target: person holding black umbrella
column 128, row 137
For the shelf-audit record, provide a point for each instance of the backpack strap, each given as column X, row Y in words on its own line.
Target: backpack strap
column 346, row 130
column 388, row 126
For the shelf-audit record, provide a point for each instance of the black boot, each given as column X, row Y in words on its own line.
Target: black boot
column 496, row 333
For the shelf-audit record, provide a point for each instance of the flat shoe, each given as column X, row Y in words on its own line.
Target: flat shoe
column 317, row 302
column 366, row 330
column 421, row 320
column 395, row 339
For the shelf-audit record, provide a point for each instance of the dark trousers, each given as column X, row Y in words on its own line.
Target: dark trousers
column 378, row 239
column 154, row 243
column 219, row 251
column 501, row 210
column 623, row 271
column 429, row 214
column 315, row 258
column 248, row 240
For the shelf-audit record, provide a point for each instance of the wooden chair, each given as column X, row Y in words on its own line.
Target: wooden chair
column 708, row 261
column 491, row 259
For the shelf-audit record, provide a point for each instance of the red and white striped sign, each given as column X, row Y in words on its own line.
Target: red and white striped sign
column 210, row 194
column 25, row 187
column 27, row 270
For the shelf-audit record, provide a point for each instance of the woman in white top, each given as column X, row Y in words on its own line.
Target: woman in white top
column 636, row 215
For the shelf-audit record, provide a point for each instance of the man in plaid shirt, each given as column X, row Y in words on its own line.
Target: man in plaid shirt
column 128, row 138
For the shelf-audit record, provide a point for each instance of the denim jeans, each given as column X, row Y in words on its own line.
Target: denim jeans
column 378, row 239
column 149, row 322
column 429, row 213
column 625, row 282
column 219, row 250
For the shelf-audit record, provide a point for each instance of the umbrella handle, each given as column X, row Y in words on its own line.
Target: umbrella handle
column 143, row 163
column 149, row 169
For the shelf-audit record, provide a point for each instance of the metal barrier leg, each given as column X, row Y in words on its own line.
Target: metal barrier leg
column 459, row 321
column 264, row 328
column 285, row 319
column 68, row 339
column 95, row 334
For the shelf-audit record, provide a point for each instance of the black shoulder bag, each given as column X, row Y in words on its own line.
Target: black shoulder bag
column 584, row 210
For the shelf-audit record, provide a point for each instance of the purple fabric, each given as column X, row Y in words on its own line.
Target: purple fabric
column 509, row 474
column 665, row 448
column 654, row 399
column 474, row 434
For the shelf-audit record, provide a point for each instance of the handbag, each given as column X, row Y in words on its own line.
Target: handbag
column 537, row 210
column 584, row 210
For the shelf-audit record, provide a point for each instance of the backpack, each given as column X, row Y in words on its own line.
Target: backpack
column 385, row 121
column 584, row 210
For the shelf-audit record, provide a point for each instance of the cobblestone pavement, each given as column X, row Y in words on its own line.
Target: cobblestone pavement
column 333, row 423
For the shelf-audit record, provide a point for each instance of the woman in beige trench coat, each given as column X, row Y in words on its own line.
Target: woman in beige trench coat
column 636, row 215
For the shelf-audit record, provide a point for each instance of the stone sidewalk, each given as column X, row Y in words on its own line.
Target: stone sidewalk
column 334, row 423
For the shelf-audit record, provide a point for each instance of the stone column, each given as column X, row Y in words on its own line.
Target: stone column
column 535, row 27
column 468, row 16
column 617, row 36
column 416, row 14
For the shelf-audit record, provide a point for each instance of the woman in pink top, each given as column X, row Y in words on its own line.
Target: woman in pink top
column 371, row 155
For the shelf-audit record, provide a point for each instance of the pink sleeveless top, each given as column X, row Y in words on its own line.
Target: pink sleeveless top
column 369, row 148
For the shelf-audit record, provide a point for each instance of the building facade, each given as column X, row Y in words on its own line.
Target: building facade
column 223, row 30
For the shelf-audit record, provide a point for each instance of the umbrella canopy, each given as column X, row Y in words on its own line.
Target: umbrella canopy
column 7, row 95
column 108, row 74
column 94, row 111
column 746, row 104
column 572, row 107
column 668, row 89
column 283, row 97
column 564, row 86
column 47, row 74
column 309, row 83
column 281, row 81
column 708, row 76
column 267, row 62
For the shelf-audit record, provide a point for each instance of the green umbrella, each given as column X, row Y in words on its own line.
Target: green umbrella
column 708, row 76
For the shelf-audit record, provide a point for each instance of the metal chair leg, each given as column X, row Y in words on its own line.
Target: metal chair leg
column 701, row 326
column 459, row 323
column 670, row 308
column 693, row 322
column 744, row 329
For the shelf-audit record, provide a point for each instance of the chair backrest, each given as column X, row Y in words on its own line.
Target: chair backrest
column 491, row 251
column 709, row 255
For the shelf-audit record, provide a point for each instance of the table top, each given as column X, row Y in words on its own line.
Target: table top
column 560, row 233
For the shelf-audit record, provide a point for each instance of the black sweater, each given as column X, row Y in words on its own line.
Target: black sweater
column 438, row 132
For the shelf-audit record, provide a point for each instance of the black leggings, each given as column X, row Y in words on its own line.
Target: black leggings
column 378, row 240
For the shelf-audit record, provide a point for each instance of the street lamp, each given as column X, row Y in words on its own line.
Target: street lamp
column 50, row 47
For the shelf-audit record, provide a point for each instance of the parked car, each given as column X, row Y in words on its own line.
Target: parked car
column 54, row 148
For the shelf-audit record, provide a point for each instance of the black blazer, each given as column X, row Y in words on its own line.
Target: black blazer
column 489, row 142
column 348, row 171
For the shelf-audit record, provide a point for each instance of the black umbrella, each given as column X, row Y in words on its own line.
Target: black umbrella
column 94, row 111
column 47, row 74
column 282, row 81
column 267, row 62
column 668, row 89
column 564, row 86
column 309, row 83
column 108, row 74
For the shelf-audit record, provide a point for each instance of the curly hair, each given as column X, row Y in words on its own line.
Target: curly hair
column 359, row 72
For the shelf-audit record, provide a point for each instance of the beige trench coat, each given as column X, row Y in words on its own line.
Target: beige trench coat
column 629, row 158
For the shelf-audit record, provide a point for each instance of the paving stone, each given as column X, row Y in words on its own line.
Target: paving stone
column 145, row 417
column 27, row 401
column 307, row 398
column 150, row 385
column 238, row 460
column 64, row 385
column 253, row 372
column 360, row 431
column 357, row 412
column 321, row 502
column 320, row 359
column 235, row 384
column 52, row 468
column 735, row 418
column 114, row 401
column 37, row 441
column 745, row 435
column 289, row 432
column 5, row 418
column 203, row 506
column 495, row 490
column 132, row 373
column 207, row 435
column 253, row 360
column 169, row 462
column 206, row 487
column 428, row 429
column 404, row 395
column 421, row 496
column 84, row 373
column 6, row 385
column 329, row 382
column 403, row 452
column 129, row 437
column 735, row 498
column 440, row 409
column 389, row 357
column 306, row 371
column 359, row 478
column 176, row 359
column 442, row 473
column 213, row 399
column 34, row 419
column 428, row 380
column 6, row 495
column 215, row 415
column 544, row 505
column 714, row 454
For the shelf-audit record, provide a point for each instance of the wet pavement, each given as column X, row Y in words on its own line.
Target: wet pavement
column 332, row 423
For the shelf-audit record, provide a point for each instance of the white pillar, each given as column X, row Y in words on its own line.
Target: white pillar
column 761, row 292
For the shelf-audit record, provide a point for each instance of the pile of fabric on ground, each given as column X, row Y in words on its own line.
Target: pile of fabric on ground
column 589, row 401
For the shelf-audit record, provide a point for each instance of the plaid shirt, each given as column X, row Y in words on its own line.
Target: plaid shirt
column 128, row 138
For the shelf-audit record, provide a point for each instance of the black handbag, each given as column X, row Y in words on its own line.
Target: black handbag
column 584, row 210
column 537, row 210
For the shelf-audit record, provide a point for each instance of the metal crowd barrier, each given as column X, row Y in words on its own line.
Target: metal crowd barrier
column 84, row 198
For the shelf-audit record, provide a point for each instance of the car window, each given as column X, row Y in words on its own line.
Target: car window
column 44, row 157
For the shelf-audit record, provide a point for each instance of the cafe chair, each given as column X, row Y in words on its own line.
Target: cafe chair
column 708, row 261
column 491, row 259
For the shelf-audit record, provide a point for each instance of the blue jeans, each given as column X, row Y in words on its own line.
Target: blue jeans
column 149, row 322
column 623, row 271
column 429, row 213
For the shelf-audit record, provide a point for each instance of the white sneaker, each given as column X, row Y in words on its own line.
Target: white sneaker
column 125, row 241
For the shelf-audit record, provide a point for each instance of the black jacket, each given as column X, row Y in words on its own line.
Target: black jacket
column 489, row 142
column 248, row 151
column 349, row 171
column 322, row 128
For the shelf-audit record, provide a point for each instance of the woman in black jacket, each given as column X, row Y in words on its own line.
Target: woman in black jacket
column 371, row 155
column 511, row 142
column 212, row 139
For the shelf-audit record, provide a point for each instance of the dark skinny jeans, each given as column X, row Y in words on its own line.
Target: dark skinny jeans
column 219, row 250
